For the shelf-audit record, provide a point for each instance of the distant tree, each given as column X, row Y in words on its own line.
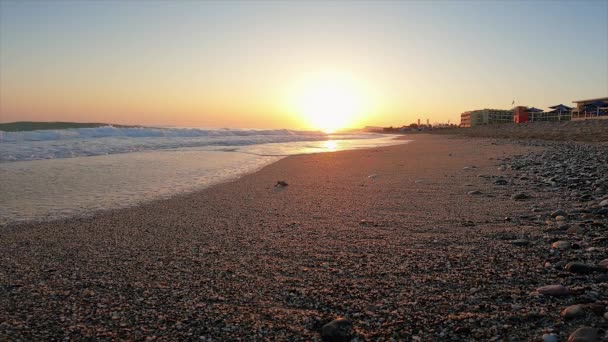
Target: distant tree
column 414, row 125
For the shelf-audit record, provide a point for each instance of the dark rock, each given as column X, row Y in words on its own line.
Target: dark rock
column 553, row 290
column 559, row 212
column 580, row 268
column 338, row 330
column 562, row 245
column 574, row 311
column 519, row 196
column 501, row 181
column 585, row 334
column 520, row 242
column 596, row 308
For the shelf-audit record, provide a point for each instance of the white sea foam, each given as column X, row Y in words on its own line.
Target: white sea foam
column 69, row 143
column 62, row 177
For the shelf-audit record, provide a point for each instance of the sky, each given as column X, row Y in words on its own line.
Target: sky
column 267, row 64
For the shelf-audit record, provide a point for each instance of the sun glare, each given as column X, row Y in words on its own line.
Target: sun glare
column 329, row 103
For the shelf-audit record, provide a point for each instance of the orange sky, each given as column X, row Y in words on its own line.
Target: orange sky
column 242, row 64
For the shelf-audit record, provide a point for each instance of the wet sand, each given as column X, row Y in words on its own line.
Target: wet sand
column 387, row 237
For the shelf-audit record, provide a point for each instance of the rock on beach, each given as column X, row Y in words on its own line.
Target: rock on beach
column 520, row 196
column 553, row 290
column 585, row 334
column 338, row 330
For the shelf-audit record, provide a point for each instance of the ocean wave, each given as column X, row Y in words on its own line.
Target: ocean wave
column 77, row 142
column 140, row 132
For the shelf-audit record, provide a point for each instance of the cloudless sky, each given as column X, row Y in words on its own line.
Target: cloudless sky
column 236, row 64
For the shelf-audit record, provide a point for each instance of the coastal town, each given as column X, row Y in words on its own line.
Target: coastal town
column 589, row 109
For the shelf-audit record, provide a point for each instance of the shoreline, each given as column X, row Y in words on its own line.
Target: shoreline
column 394, row 238
column 92, row 212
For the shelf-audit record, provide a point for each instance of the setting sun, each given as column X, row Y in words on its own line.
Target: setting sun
column 329, row 103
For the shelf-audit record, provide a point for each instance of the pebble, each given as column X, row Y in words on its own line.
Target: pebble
column 553, row 290
column 338, row 330
column 604, row 203
column 573, row 311
column 559, row 212
column 519, row 196
column 560, row 218
column 584, row 334
column 578, row 267
column 549, row 338
column 474, row 192
column 574, row 230
column 561, row 245
column 603, row 263
column 520, row 242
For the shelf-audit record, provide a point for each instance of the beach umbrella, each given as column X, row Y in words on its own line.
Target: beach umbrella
column 595, row 107
column 561, row 107
column 598, row 104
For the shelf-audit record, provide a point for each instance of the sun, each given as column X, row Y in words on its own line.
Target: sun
column 329, row 103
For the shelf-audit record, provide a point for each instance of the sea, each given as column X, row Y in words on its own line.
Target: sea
column 52, row 174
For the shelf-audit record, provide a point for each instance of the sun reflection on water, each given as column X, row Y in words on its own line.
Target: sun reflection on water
column 330, row 145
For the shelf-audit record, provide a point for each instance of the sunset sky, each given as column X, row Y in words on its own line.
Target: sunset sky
column 293, row 64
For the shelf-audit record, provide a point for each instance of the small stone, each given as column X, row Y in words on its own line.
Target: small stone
column 561, row 245
column 573, row 311
column 603, row 263
column 501, row 181
column 560, row 218
column 559, row 212
column 520, row 242
column 549, row 338
column 578, row 267
column 574, row 230
column 519, row 196
column 474, row 192
column 597, row 308
column 553, row 290
column 338, row 330
column 584, row 334
column 602, row 278
column 281, row 183
column 604, row 203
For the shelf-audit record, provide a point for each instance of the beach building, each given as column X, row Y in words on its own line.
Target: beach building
column 591, row 109
column 485, row 117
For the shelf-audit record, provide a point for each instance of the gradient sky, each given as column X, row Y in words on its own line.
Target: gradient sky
column 235, row 64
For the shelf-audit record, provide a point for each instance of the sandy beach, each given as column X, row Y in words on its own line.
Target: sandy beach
column 408, row 242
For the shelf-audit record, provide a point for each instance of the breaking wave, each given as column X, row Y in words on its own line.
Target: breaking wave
column 76, row 142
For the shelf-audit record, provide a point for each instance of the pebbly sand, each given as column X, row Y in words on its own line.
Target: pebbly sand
column 410, row 242
column 591, row 130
